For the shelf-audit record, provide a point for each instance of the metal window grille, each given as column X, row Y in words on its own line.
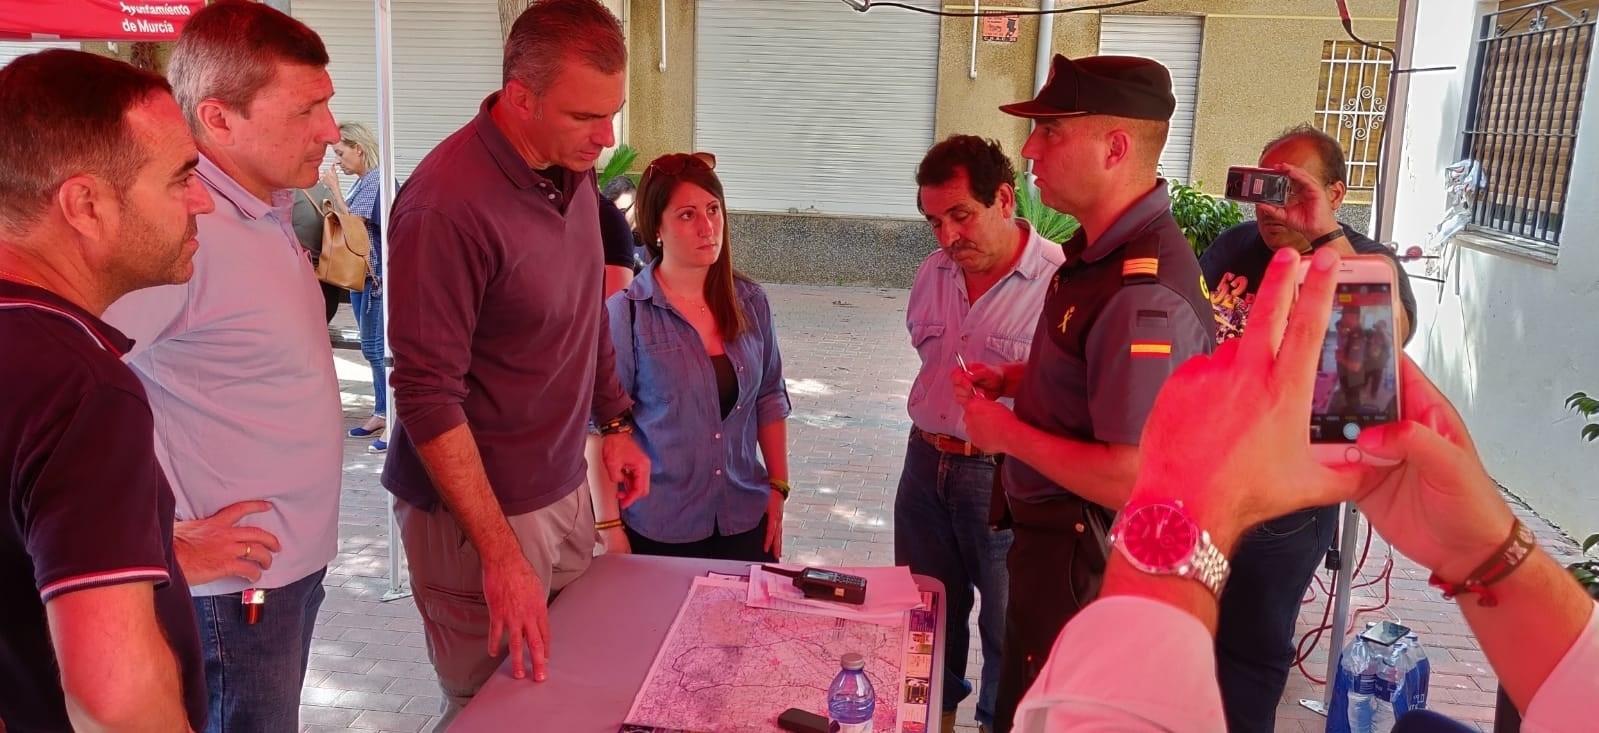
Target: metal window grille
column 1532, row 68
column 1352, row 103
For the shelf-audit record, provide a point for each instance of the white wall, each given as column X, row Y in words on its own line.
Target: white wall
column 1508, row 338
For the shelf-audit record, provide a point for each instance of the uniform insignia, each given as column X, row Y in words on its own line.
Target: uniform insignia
column 1070, row 311
column 1151, row 349
column 1141, row 267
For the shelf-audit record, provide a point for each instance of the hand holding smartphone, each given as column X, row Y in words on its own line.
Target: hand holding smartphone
column 1258, row 185
column 1357, row 377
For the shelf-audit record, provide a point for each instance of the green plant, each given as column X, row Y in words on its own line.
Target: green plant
column 1049, row 223
column 621, row 160
column 1587, row 407
column 1201, row 215
column 1587, row 570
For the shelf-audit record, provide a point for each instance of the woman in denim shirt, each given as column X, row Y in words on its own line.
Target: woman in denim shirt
column 697, row 350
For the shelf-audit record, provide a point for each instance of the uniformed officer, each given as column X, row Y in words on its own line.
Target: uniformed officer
column 1126, row 308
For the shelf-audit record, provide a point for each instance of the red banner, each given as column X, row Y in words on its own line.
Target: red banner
column 96, row 20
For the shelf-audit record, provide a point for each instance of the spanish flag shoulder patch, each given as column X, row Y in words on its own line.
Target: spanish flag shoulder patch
column 1151, row 349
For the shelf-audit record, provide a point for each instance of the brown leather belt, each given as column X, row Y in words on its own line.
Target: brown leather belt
column 949, row 444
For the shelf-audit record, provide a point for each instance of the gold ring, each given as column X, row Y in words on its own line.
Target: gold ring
column 246, row 550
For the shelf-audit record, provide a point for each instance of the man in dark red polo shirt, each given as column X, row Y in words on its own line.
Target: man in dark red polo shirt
column 502, row 354
column 97, row 199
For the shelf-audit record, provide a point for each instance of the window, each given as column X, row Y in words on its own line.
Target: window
column 1532, row 68
column 1351, row 103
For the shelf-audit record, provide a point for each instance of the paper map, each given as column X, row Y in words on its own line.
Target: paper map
column 727, row 667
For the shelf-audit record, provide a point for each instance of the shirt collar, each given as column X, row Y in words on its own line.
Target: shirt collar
column 1034, row 262
column 643, row 287
column 1140, row 215
column 511, row 163
column 102, row 332
column 247, row 204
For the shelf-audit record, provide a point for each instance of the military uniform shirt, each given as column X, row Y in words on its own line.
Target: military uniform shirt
column 1121, row 315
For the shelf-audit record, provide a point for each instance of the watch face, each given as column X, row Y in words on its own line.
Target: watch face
column 1159, row 537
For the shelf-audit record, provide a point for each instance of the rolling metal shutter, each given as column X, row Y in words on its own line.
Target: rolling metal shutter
column 447, row 58
column 10, row 50
column 1173, row 40
column 812, row 107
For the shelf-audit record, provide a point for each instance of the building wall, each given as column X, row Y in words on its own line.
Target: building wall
column 660, row 104
column 968, row 106
column 1232, row 122
column 1258, row 77
column 1506, row 337
column 1241, row 37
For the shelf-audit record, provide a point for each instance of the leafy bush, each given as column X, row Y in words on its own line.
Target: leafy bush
column 1587, row 407
column 619, row 164
column 1049, row 223
column 1201, row 215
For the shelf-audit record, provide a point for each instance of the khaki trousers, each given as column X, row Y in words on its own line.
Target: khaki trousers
column 447, row 581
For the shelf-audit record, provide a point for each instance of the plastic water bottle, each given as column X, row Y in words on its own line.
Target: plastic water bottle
column 1390, row 686
column 1361, row 667
column 851, row 702
column 1419, row 673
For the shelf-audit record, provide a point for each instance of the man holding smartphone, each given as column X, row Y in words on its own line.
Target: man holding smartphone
column 1124, row 310
column 1275, row 561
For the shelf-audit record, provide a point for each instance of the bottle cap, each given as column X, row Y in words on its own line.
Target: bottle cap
column 853, row 661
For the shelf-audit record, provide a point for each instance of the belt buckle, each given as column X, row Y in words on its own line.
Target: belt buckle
column 966, row 448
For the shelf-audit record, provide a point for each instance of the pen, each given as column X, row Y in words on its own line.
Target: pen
column 961, row 360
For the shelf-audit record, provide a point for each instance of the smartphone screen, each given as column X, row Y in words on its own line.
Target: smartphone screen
column 1386, row 632
column 1357, row 381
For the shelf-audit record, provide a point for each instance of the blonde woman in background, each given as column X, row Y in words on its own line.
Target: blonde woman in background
column 357, row 155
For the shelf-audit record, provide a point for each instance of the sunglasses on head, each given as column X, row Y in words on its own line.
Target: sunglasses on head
column 674, row 164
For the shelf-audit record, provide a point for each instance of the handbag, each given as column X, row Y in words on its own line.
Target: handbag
column 345, row 247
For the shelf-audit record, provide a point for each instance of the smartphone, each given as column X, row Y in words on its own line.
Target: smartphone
column 804, row 721
column 1385, row 632
column 1357, row 377
column 1257, row 185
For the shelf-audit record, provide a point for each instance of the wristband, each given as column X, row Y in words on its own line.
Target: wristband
column 781, row 487
column 1511, row 554
column 1328, row 237
column 620, row 425
column 608, row 524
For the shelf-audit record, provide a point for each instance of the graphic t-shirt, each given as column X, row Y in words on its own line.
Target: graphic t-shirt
column 1237, row 260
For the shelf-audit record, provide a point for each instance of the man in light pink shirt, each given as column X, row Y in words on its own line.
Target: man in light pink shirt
column 1420, row 484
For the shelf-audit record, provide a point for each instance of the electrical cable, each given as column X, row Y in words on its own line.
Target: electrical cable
column 871, row 4
column 1349, row 28
column 1308, row 642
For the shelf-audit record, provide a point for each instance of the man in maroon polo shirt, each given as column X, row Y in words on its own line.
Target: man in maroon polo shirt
column 502, row 356
column 97, row 198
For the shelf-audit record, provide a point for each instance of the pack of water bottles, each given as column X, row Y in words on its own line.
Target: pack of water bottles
column 1382, row 674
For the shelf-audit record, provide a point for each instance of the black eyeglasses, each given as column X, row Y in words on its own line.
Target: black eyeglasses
column 675, row 164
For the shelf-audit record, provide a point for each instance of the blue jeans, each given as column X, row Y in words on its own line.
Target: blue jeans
column 1255, row 645
column 941, row 530
column 254, row 672
column 368, row 309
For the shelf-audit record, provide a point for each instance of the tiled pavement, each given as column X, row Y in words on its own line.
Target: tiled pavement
column 849, row 368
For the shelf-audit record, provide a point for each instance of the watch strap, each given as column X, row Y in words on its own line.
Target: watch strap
column 1209, row 566
column 1325, row 238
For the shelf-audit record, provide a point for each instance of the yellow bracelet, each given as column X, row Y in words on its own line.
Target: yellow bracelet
column 781, row 486
column 608, row 524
